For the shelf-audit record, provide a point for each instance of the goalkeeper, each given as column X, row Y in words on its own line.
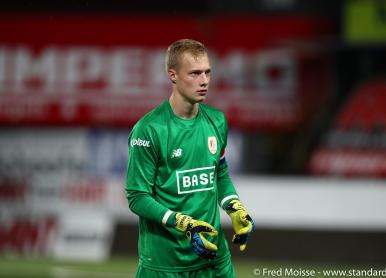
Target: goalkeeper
column 177, row 177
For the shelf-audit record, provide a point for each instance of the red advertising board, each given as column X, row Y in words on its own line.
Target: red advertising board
column 108, row 70
column 356, row 145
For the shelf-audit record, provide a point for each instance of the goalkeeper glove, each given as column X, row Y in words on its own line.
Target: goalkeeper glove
column 194, row 231
column 242, row 223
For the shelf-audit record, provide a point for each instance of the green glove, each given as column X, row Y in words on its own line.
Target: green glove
column 194, row 231
column 242, row 223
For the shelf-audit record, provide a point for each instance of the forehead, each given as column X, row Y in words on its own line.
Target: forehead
column 190, row 61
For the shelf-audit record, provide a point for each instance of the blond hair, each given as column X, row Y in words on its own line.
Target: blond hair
column 178, row 48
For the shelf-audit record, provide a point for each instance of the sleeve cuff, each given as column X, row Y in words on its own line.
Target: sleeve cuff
column 168, row 218
column 227, row 199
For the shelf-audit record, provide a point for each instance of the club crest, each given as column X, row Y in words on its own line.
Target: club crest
column 212, row 144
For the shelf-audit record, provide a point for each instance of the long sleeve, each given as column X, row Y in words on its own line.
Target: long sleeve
column 141, row 169
column 226, row 189
column 144, row 205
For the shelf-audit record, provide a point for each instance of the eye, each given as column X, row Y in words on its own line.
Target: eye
column 195, row 73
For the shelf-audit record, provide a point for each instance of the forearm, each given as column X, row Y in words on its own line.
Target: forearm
column 144, row 205
column 226, row 189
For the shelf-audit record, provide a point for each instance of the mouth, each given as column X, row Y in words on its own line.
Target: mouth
column 202, row 92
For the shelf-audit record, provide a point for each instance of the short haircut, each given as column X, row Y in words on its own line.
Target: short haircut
column 178, row 48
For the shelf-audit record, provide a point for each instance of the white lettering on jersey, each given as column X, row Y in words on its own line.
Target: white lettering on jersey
column 193, row 180
column 186, row 181
column 204, row 179
column 140, row 143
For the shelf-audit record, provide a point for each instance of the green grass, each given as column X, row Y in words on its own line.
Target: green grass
column 119, row 267
column 44, row 268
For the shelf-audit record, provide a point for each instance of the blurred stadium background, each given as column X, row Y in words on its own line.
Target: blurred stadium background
column 301, row 82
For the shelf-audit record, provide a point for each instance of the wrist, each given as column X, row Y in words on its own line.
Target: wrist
column 234, row 206
column 226, row 200
column 182, row 221
column 171, row 221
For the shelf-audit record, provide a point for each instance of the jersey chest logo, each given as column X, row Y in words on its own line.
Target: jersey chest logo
column 212, row 144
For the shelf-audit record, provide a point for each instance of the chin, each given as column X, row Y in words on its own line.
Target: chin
column 201, row 98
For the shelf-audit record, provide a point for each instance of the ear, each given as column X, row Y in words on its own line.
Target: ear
column 172, row 75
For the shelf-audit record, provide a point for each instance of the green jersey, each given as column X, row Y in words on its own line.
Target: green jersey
column 177, row 165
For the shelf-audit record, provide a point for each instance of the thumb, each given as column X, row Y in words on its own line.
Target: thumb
column 246, row 229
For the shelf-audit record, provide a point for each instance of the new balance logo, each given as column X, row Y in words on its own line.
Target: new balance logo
column 140, row 143
column 176, row 153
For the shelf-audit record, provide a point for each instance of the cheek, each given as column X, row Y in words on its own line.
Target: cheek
column 187, row 83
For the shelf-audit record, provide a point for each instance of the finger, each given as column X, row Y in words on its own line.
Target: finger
column 200, row 242
column 244, row 218
column 212, row 234
column 202, row 252
column 203, row 227
column 207, row 244
column 242, row 242
column 247, row 229
column 240, row 239
column 243, row 246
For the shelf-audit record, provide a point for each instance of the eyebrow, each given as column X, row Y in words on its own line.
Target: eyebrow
column 200, row 71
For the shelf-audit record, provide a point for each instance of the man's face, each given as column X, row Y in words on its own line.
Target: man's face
column 192, row 77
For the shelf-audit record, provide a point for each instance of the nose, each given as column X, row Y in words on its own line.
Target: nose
column 204, row 80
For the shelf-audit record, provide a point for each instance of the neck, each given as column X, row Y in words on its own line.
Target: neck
column 183, row 108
